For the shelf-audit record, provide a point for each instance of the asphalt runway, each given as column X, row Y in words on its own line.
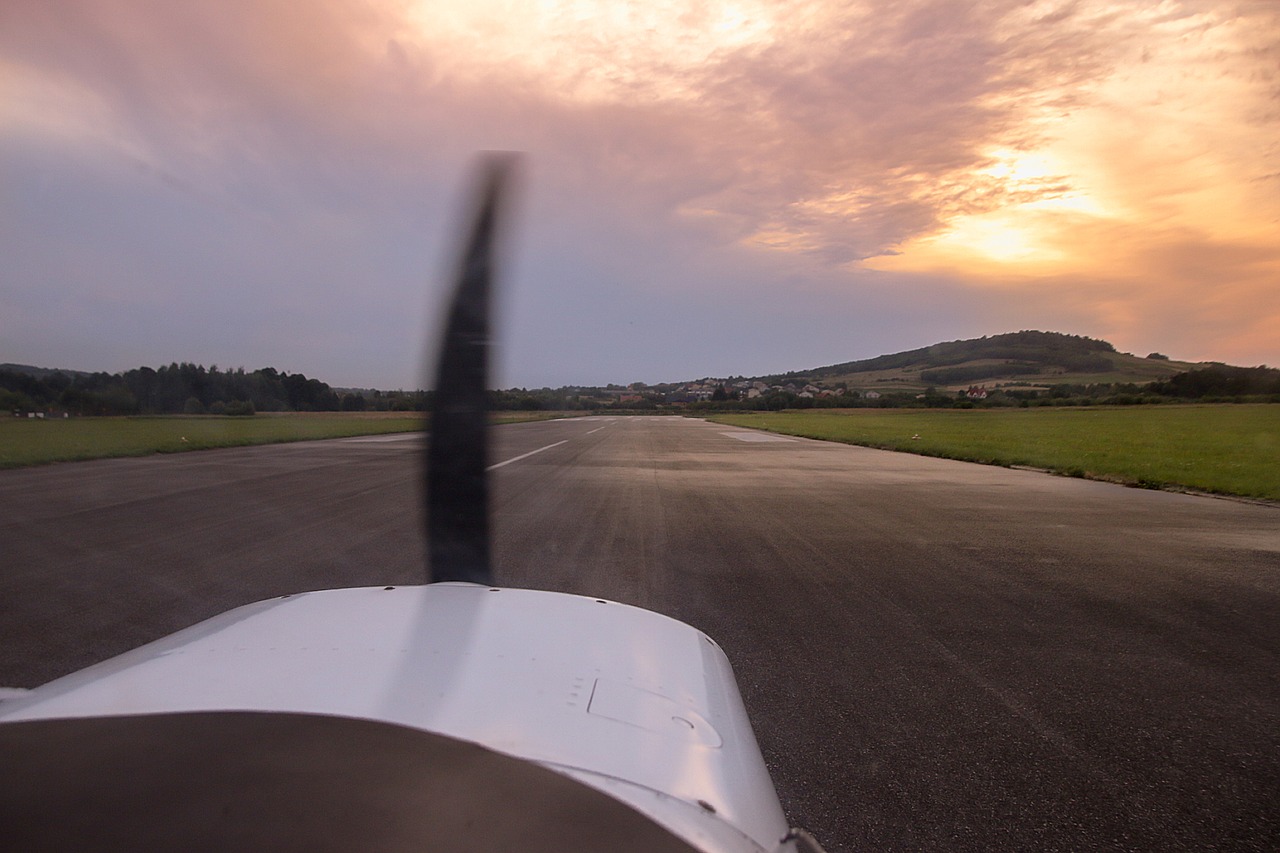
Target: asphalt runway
column 935, row 655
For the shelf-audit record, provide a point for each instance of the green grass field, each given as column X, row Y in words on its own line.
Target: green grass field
column 34, row 441
column 25, row 441
column 1227, row 449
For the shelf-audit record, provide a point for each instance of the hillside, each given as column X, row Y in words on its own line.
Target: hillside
column 1028, row 359
column 39, row 372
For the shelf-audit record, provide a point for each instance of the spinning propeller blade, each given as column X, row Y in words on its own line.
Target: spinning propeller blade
column 456, row 458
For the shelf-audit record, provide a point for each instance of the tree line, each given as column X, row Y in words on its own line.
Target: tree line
column 1214, row 384
column 176, row 389
column 1221, row 381
column 194, row 389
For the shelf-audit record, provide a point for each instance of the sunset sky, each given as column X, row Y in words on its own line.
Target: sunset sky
column 708, row 188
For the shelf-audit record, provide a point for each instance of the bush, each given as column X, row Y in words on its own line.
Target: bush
column 240, row 408
column 14, row 400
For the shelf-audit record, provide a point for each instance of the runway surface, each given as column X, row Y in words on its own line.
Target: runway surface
column 935, row 655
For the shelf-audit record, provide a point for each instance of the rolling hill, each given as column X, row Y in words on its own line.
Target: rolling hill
column 1028, row 359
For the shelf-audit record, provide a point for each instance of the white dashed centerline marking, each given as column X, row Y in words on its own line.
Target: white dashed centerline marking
column 525, row 455
column 756, row 436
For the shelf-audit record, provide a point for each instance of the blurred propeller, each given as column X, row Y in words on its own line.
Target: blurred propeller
column 457, row 487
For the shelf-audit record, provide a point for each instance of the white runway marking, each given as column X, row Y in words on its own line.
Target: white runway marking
column 525, row 455
column 756, row 436
column 597, row 429
column 384, row 439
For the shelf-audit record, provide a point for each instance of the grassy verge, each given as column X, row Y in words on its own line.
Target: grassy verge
column 524, row 417
column 25, row 441
column 1227, row 449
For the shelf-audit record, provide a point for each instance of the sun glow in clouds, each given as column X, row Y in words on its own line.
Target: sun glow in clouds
column 1036, row 198
column 1165, row 142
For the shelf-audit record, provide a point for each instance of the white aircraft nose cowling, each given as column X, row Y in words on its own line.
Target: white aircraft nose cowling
column 630, row 702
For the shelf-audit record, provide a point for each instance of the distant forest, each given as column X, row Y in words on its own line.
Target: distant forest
column 1220, row 381
column 186, row 389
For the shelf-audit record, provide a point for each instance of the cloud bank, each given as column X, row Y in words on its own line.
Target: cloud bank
column 710, row 188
